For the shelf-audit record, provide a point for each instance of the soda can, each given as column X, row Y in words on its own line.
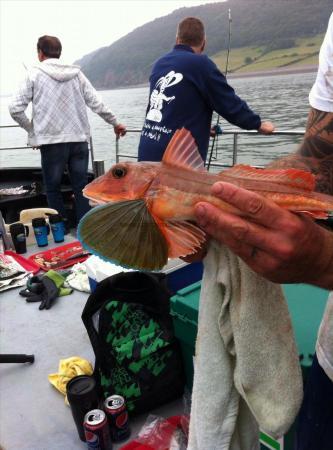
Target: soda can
column 96, row 430
column 116, row 412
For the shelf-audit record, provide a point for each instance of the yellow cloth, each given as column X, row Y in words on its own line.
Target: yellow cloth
column 68, row 369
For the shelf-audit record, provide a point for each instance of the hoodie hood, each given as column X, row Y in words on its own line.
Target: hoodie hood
column 58, row 71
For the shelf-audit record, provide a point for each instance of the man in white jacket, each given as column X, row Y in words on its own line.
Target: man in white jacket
column 59, row 126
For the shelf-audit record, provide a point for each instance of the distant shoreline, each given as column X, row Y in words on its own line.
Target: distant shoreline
column 262, row 73
column 277, row 71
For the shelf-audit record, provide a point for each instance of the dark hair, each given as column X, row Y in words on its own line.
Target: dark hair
column 50, row 46
column 191, row 31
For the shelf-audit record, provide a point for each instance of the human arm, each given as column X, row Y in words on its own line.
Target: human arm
column 281, row 246
column 19, row 104
column 95, row 103
column 228, row 104
column 315, row 153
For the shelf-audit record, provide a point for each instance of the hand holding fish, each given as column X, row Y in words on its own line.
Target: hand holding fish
column 282, row 246
column 147, row 210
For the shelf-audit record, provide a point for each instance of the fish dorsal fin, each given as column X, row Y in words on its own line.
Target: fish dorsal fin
column 289, row 177
column 182, row 151
column 124, row 233
column 183, row 237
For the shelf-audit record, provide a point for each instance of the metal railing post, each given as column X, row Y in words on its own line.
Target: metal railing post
column 235, row 149
column 117, row 149
column 98, row 167
column 91, row 149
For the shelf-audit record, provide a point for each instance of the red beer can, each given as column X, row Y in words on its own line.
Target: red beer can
column 116, row 412
column 96, row 429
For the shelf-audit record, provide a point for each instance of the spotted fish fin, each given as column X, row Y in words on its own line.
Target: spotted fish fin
column 289, row 177
column 183, row 237
column 125, row 233
column 182, row 151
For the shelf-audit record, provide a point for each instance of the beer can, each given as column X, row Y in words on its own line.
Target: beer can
column 116, row 412
column 97, row 431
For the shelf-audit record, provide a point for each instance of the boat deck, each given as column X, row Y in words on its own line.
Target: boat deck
column 10, row 205
column 33, row 414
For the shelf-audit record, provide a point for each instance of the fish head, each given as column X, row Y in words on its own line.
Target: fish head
column 124, row 181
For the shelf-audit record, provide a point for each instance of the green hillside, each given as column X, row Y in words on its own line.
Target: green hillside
column 265, row 34
column 253, row 59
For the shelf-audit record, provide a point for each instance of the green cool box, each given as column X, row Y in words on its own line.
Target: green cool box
column 306, row 305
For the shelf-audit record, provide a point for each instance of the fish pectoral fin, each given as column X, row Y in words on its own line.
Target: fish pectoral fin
column 183, row 237
column 125, row 233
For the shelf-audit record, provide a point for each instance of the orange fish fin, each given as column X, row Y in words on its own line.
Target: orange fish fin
column 125, row 233
column 182, row 151
column 183, row 237
column 289, row 177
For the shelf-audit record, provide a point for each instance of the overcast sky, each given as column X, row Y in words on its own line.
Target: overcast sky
column 81, row 25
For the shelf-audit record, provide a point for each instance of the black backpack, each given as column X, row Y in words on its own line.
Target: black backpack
column 127, row 319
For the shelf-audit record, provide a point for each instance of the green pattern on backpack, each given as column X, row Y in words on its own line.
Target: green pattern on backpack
column 154, row 364
column 122, row 383
column 133, row 338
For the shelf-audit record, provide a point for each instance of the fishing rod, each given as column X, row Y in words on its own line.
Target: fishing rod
column 216, row 127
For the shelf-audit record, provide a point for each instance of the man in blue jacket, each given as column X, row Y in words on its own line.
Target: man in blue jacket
column 185, row 88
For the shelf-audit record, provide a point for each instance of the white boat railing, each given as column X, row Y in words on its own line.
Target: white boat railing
column 98, row 165
column 91, row 147
column 234, row 132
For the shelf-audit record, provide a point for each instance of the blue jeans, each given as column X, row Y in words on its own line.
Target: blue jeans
column 315, row 421
column 55, row 158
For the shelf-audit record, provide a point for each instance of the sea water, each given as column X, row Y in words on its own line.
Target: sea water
column 283, row 99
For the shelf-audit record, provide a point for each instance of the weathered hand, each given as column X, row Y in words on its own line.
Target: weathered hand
column 281, row 246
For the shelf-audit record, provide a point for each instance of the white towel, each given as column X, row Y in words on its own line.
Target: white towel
column 247, row 374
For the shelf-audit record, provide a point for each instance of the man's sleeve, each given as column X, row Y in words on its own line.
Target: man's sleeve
column 94, row 101
column 19, row 103
column 226, row 103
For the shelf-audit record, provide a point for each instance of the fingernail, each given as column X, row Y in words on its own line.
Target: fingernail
column 217, row 188
column 200, row 210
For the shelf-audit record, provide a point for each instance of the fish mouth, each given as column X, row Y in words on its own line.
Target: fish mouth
column 95, row 201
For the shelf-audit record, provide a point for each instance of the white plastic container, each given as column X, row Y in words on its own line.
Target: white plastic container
column 98, row 270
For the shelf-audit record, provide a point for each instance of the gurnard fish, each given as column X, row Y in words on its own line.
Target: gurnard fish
column 146, row 212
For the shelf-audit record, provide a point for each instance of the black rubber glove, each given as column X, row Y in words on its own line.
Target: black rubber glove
column 48, row 291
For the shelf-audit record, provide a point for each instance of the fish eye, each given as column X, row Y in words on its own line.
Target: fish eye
column 119, row 172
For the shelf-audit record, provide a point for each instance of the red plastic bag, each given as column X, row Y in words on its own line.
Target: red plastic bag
column 161, row 434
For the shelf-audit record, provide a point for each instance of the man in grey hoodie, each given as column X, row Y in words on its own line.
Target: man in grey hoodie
column 59, row 126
